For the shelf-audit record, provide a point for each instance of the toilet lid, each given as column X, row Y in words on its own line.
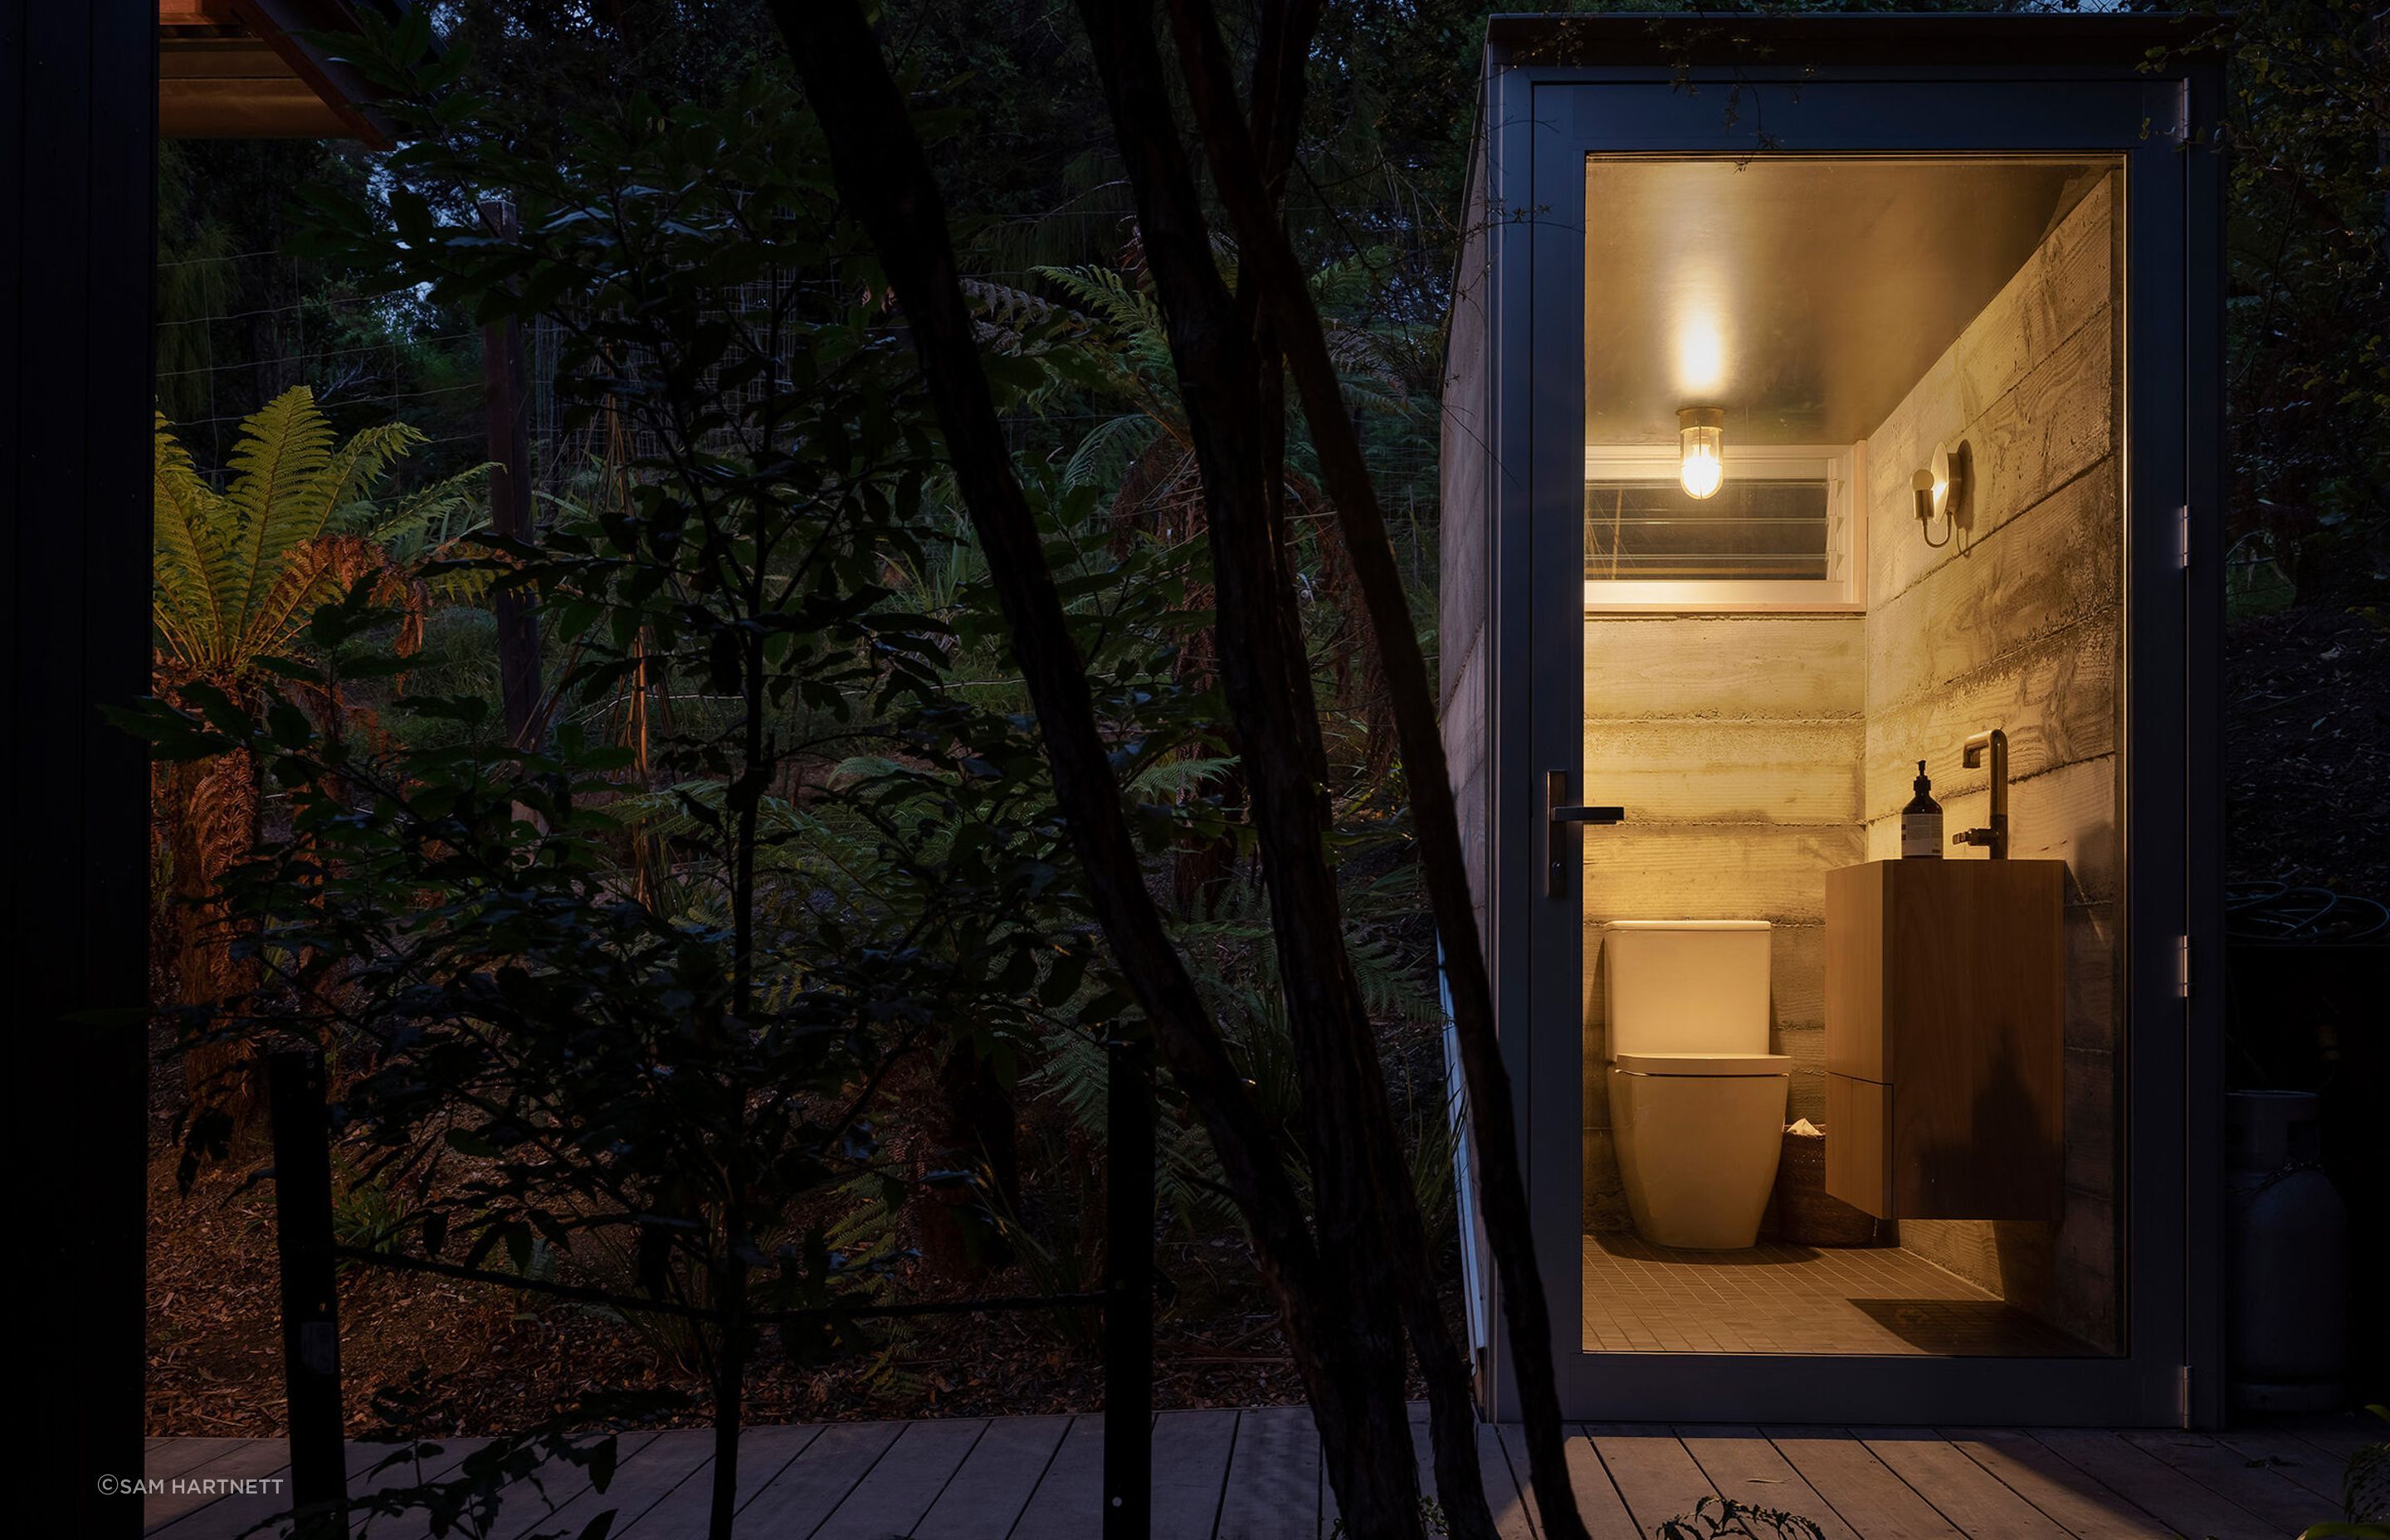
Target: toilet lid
column 1705, row 1063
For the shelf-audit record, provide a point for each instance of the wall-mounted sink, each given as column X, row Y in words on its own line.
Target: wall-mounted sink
column 1945, row 1038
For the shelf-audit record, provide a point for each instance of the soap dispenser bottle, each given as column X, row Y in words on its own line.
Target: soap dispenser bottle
column 1921, row 823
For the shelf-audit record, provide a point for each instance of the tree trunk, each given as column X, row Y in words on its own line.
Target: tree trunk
column 508, row 421
column 729, row 1396
column 1229, row 372
column 210, row 821
column 973, row 1129
column 1268, row 260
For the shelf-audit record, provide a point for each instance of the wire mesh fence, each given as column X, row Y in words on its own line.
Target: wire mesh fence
column 236, row 330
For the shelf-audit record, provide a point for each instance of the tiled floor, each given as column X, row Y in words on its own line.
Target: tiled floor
column 1773, row 1298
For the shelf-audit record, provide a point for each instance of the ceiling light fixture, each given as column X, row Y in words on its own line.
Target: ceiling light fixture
column 1701, row 462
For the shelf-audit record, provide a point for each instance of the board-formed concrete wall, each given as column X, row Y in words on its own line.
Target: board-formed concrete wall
column 2018, row 625
column 1733, row 742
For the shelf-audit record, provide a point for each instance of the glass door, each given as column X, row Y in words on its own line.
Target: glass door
column 1838, row 443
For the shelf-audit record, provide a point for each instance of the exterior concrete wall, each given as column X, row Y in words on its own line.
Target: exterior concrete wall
column 1465, row 543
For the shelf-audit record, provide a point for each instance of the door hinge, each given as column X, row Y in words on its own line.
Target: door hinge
column 2182, row 968
column 2182, row 1396
column 2182, row 538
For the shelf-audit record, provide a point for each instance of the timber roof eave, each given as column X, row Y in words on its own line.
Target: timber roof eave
column 256, row 68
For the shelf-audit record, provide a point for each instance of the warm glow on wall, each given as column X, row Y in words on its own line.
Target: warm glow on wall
column 1700, row 463
column 1701, row 355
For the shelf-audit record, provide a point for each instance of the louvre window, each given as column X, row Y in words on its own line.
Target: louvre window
column 1749, row 531
column 1778, row 533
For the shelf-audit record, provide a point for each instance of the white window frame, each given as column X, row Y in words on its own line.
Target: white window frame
column 1843, row 591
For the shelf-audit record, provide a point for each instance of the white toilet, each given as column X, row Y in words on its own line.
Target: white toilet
column 1696, row 1100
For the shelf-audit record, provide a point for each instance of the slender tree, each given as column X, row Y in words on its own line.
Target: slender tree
column 1244, row 179
column 1226, row 348
column 1342, row 1336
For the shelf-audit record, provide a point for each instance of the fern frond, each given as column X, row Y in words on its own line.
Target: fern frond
column 1172, row 778
column 320, row 572
column 356, row 467
column 281, row 456
column 188, row 605
column 435, row 515
column 1103, row 455
column 1074, row 1074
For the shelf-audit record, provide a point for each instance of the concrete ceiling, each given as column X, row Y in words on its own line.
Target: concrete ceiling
column 1806, row 297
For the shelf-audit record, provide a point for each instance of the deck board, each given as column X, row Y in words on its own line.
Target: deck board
column 2149, row 1483
column 230, row 1515
column 181, row 1456
column 425, row 1460
column 2088, row 1509
column 253, row 1458
column 1511, row 1443
column 1222, row 1474
column 994, row 1480
column 1597, row 1501
column 1972, row 1500
column 1273, row 1489
column 810, row 1487
column 903, row 1485
column 1191, row 1473
column 1062, row 1505
column 1744, row 1465
column 429, row 1461
column 2291, row 1457
column 657, row 1471
column 1657, row 1477
column 2277, row 1505
column 522, row 1506
column 1860, row 1488
column 2339, row 1437
column 764, row 1453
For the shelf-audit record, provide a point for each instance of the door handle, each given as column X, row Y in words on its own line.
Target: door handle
column 1556, row 815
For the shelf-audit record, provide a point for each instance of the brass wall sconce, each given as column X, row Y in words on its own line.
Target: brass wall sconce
column 1942, row 491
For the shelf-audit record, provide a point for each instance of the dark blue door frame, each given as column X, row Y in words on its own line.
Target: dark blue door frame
column 1542, row 121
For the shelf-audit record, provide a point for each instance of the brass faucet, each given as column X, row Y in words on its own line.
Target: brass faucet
column 1996, row 836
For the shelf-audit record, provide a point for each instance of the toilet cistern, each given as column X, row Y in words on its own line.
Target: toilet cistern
column 1995, row 838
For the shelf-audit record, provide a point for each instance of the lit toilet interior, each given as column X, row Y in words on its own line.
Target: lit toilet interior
column 1696, row 1100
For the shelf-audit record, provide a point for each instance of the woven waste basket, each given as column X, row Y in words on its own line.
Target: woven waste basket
column 1806, row 1213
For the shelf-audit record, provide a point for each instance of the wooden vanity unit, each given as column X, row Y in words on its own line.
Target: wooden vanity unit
column 1945, row 1057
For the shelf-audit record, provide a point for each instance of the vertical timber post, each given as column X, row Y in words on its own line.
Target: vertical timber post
column 509, row 404
column 1128, row 1292
column 311, row 1330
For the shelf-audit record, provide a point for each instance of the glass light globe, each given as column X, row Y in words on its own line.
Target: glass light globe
column 1701, row 464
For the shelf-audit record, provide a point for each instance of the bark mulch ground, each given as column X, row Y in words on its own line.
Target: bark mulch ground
column 476, row 1358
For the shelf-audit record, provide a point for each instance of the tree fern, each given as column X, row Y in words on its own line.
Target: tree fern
column 238, row 572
